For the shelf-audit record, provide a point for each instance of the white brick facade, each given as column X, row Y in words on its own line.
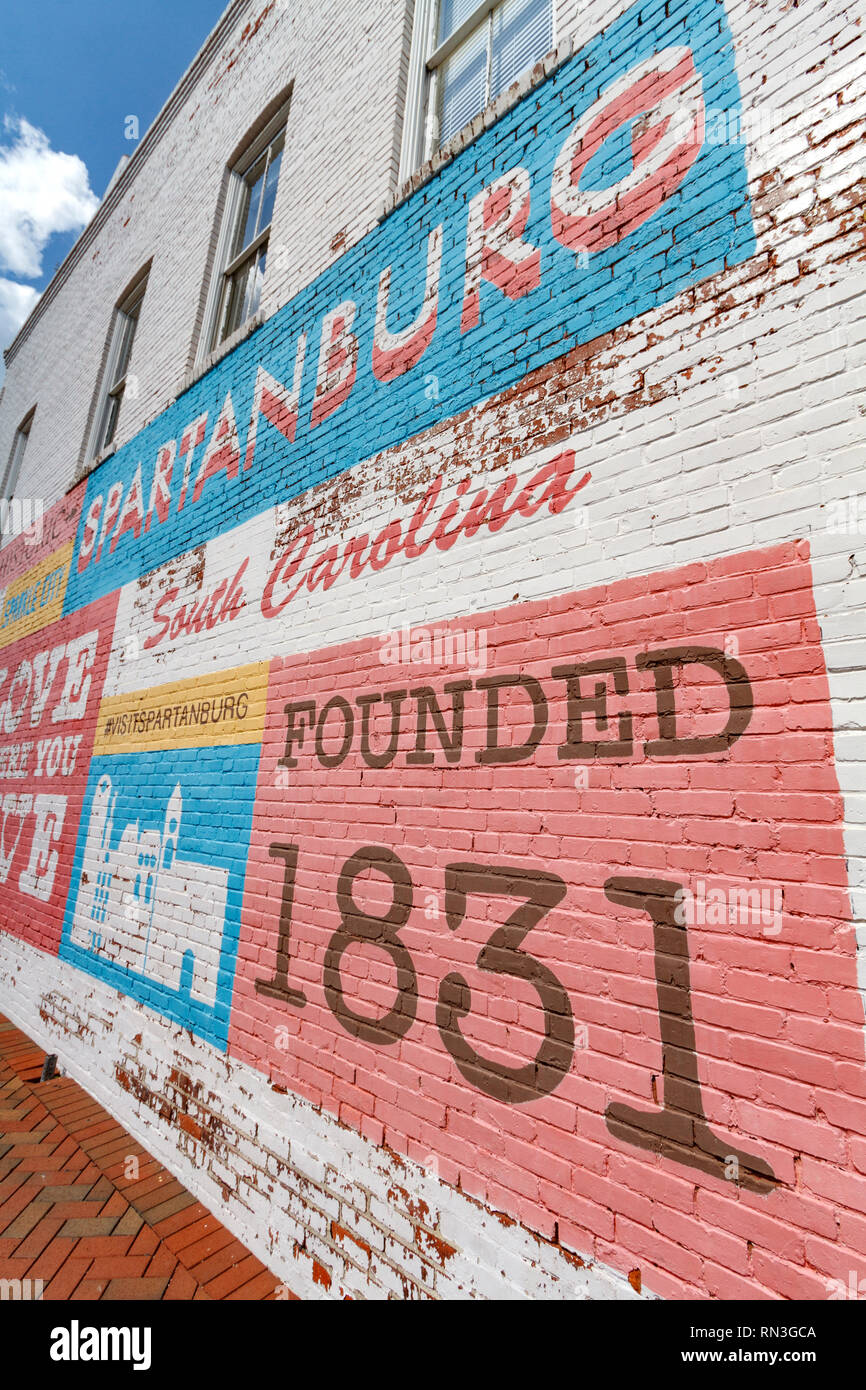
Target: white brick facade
column 723, row 431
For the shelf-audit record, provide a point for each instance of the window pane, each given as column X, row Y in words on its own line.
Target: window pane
column 11, row 479
column 522, row 33
column 452, row 14
column 220, row 326
column 240, row 227
column 112, row 410
column 254, row 285
column 463, row 84
column 125, row 330
column 244, row 291
column 270, row 190
column 242, row 294
column 248, row 220
column 234, row 299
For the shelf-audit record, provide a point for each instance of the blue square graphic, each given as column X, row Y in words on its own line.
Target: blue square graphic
column 157, row 884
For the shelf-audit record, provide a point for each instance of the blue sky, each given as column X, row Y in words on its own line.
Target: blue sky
column 71, row 73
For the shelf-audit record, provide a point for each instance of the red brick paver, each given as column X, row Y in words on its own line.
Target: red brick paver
column 69, row 1217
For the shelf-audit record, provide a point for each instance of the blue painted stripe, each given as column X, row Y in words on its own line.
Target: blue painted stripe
column 702, row 227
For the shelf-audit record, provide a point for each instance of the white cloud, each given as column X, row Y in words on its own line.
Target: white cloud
column 42, row 191
column 16, row 301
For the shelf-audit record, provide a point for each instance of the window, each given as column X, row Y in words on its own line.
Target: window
column 246, row 230
column 115, row 378
column 464, row 55
column 16, row 458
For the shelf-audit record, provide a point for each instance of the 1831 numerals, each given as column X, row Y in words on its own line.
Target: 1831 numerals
column 678, row 1129
column 537, row 892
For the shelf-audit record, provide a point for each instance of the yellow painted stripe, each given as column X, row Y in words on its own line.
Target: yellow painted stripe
column 35, row 598
column 227, row 707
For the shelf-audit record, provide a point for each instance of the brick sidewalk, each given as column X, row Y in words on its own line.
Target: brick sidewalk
column 69, row 1216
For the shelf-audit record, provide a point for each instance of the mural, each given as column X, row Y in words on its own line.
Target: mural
column 587, row 204
column 159, row 868
column 135, row 891
column 50, row 687
column 34, row 569
column 551, row 895
column 154, row 906
column 514, row 871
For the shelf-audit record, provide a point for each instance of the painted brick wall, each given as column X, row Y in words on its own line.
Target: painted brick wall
column 452, row 701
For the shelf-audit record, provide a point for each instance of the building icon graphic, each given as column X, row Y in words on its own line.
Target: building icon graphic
column 145, row 910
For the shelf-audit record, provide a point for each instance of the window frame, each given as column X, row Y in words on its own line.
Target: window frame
column 112, row 384
column 420, row 132
column 12, row 471
column 227, row 262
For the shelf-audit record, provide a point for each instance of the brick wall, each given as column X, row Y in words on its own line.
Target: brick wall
column 452, row 701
